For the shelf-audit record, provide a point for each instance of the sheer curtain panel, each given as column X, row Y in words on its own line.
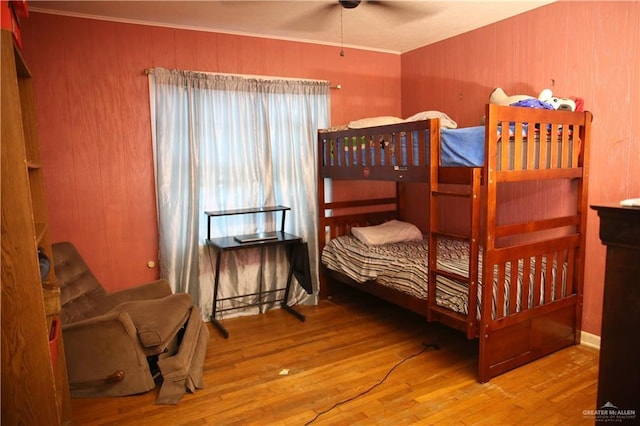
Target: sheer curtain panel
column 226, row 142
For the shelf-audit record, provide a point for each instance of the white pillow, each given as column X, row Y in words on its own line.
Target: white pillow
column 374, row 121
column 393, row 231
column 445, row 120
column 334, row 129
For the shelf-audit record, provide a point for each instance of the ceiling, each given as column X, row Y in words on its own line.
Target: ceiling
column 387, row 26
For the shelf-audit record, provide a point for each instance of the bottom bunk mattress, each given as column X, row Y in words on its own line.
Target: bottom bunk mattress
column 404, row 267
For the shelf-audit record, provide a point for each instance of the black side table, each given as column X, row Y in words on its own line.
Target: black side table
column 296, row 249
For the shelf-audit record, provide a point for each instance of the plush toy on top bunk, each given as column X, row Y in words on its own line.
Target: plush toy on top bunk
column 545, row 100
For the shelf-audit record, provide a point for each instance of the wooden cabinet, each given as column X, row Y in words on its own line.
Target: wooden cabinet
column 619, row 373
column 35, row 388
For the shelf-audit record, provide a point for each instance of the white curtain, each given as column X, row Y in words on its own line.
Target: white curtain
column 227, row 142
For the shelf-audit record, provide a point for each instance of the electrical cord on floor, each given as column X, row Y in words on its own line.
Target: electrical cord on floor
column 426, row 347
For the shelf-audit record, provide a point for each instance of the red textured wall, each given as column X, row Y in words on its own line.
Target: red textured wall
column 93, row 109
column 584, row 49
column 94, row 123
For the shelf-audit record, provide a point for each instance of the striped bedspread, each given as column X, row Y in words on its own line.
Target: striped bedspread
column 404, row 267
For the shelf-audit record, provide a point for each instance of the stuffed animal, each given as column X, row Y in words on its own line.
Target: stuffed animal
column 499, row 97
column 544, row 100
column 564, row 104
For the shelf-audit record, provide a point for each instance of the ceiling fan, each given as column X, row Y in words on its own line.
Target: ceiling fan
column 349, row 4
column 352, row 4
column 394, row 6
column 316, row 20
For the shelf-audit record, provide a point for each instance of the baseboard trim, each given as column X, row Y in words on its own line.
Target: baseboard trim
column 590, row 340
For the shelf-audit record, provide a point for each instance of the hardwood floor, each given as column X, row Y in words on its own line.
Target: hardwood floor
column 340, row 364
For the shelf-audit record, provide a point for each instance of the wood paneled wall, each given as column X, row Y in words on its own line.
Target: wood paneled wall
column 93, row 111
column 577, row 49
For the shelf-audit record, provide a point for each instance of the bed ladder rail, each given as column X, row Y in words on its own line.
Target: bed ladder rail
column 466, row 323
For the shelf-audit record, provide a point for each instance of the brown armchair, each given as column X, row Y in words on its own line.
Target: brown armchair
column 122, row 343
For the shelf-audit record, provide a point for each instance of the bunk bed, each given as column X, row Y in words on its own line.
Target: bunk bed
column 514, row 286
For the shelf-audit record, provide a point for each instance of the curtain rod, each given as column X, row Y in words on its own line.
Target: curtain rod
column 148, row 71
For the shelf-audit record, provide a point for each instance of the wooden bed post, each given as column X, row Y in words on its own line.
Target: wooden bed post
column 434, row 220
column 583, row 207
column 489, row 202
column 322, row 278
column 401, row 205
column 474, row 251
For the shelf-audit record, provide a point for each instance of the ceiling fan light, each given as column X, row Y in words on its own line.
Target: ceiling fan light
column 347, row 4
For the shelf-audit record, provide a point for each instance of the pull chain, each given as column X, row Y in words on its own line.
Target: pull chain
column 341, row 33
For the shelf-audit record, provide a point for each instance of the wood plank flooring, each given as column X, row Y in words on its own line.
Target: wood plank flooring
column 340, row 364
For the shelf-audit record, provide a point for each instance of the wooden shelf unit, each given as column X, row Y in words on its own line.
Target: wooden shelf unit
column 35, row 387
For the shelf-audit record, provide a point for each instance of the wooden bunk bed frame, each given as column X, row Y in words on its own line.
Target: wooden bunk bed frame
column 510, row 334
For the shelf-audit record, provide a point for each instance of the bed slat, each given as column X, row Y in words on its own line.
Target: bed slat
column 526, row 284
column 537, row 284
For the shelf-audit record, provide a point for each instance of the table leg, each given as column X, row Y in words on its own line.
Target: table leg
column 285, row 300
column 261, row 283
column 216, row 279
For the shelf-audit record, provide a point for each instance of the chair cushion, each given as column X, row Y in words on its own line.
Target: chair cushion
column 81, row 295
column 158, row 320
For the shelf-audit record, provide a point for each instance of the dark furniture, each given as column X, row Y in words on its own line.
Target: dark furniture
column 298, row 255
column 619, row 374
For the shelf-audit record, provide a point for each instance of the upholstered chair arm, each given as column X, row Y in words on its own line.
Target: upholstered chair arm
column 152, row 290
column 104, row 357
